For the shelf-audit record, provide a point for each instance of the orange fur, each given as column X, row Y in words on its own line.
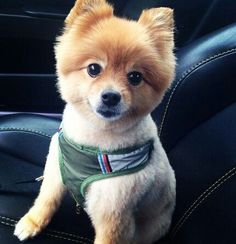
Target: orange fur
column 94, row 35
column 121, row 46
column 85, row 13
column 118, row 230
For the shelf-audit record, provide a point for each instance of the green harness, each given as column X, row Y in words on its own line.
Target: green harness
column 81, row 165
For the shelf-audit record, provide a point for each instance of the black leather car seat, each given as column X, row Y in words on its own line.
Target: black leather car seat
column 197, row 126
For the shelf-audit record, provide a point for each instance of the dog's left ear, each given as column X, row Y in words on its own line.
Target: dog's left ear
column 159, row 23
column 88, row 11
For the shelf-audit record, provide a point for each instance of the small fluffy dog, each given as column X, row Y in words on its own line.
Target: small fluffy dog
column 112, row 73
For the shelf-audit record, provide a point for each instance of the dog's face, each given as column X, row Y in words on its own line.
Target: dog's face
column 114, row 70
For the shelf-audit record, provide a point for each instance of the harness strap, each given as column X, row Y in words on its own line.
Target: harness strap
column 81, row 165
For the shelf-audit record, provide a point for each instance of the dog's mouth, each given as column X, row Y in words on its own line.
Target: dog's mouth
column 109, row 113
column 106, row 112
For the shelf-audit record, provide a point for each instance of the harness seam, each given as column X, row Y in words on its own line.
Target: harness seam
column 201, row 199
column 53, row 231
column 183, row 76
column 24, row 130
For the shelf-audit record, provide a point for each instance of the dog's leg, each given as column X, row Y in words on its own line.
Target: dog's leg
column 113, row 229
column 48, row 200
column 112, row 216
column 152, row 229
column 152, row 223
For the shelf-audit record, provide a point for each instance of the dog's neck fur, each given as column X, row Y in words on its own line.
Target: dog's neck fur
column 81, row 131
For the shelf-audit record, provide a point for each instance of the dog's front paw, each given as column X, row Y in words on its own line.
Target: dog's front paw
column 26, row 228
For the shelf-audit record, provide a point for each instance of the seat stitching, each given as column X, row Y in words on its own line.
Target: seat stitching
column 183, row 76
column 205, row 120
column 68, row 234
column 180, row 224
column 65, row 238
column 5, row 218
column 204, row 193
column 5, row 223
column 25, row 130
column 2, row 218
column 201, row 199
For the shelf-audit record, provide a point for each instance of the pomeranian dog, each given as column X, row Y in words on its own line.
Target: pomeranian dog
column 112, row 73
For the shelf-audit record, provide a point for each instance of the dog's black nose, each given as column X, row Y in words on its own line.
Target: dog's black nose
column 111, row 98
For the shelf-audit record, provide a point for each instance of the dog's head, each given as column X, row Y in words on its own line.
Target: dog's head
column 112, row 69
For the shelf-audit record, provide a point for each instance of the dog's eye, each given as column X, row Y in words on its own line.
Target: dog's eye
column 134, row 78
column 94, row 70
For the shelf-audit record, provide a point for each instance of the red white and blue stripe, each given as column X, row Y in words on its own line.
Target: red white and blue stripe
column 104, row 163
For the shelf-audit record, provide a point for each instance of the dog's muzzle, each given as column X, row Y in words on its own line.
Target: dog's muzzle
column 110, row 98
column 110, row 105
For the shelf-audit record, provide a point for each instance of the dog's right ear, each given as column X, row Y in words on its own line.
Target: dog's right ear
column 88, row 12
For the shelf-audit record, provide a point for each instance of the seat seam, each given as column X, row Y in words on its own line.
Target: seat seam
column 69, row 234
column 184, row 75
column 83, row 240
column 210, row 117
column 5, row 223
column 65, row 238
column 228, row 175
column 24, row 130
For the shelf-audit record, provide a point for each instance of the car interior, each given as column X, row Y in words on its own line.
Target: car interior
column 196, row 119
